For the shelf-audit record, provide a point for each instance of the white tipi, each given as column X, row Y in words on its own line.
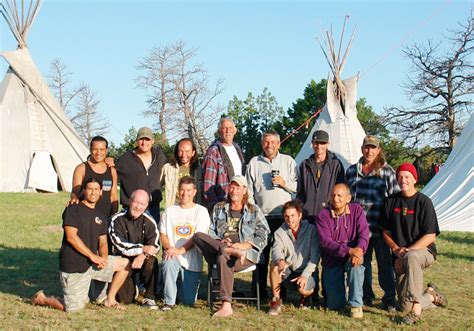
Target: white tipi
column 452, row 189
column 339, row 116
column 38, row 145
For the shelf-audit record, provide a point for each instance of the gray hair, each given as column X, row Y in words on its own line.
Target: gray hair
column 225, row 119
column 271, row 133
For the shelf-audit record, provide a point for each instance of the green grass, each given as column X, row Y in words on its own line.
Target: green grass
column 30, row 236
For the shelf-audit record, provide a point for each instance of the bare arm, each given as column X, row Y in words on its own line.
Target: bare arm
column 77, row 178
column 103, row 246
column 424, row 241
column 113, row 192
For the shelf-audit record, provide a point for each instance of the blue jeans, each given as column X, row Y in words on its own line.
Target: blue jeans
column 172, row 269
column 334, row 284
column 385, row 270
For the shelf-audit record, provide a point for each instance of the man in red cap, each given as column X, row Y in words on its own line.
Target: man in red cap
column 410, row 228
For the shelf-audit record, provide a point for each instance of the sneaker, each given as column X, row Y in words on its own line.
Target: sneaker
column 275, row 307
column 150, row 304
column 167, row 307
column 356, row 312
column 439, row 298
column 390, row 306
column 305, row 302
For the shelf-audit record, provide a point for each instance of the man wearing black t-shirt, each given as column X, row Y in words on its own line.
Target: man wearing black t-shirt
column 410, row 227
column 84, row 255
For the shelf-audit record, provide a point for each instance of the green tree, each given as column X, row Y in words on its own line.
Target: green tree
column 314, row 98
column 252, row 117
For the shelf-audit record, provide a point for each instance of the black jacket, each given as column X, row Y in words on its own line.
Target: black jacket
column 129, row 235
column 133, row 175
column 314, row 194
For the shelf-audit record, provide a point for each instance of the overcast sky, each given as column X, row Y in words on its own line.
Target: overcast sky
column 250, row 44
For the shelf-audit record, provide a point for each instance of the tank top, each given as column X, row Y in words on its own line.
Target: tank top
column 104, row 203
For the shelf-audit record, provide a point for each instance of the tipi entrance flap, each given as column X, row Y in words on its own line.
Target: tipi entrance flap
column 42, row 175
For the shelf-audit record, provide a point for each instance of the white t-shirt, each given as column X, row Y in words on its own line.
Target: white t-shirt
column 234, row 159
column 179, row 225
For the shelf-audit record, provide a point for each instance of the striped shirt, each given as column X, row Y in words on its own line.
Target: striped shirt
column 371, row 190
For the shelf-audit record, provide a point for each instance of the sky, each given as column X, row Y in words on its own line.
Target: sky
column 249, row 44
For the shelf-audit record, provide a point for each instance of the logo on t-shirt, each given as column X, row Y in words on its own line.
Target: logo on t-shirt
column 404, row 211
column 106, row 185
column 98, row 220
column 183, row 230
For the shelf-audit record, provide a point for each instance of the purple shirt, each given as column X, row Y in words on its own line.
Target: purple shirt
column 337, row 234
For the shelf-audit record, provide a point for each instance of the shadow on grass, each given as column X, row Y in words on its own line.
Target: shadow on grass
column 26, row 270
column 456, row 256
column 458, row 237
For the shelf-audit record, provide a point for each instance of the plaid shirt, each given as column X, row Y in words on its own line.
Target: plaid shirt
column 371, row 190
column 217, row 171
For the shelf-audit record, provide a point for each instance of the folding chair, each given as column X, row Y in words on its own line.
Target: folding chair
column 213, row 287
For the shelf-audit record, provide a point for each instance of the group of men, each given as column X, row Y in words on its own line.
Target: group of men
column 234, row 214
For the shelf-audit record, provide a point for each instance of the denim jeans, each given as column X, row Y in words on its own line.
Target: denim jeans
column 385, row 270
column 335, row 284
column 172, row 269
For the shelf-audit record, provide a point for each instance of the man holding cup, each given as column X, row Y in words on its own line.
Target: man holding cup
column 272, row 179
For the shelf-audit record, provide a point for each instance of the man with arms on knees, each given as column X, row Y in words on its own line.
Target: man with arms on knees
column 343, row 236
column 237, row 236
column 295, row 255
column 180, row 258
column 84, row 255
column 96, row 167
column 134, row 235
column 272, row 179
column 140, row 168
column 223, row 160
column 410, row 227
column 185, row 163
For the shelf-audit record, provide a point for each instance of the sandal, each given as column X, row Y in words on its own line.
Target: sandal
column 410, row 318
column 439, row 298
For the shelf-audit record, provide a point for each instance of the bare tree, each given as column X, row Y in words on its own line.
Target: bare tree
column 157, row 79
column 60, row 84
column 441, row 87
column 180, row 94
column 89, row 122
column 195, row 97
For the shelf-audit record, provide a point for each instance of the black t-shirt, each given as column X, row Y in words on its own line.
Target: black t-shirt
column 90, row 225
column 408, row 219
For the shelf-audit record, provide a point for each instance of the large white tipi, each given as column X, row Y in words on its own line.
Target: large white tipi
column 38, row 146
column 339, row 116
column 452, row 189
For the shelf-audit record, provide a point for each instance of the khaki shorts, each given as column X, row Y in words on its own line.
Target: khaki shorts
column 76, row 285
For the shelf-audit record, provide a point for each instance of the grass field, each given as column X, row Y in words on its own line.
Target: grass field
column 30, row 237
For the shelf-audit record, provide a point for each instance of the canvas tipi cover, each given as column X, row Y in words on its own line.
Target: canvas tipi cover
column 452, row 189
column 38, row 145
column 344, row 129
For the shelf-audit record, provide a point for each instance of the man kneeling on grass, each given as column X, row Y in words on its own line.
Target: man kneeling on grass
column 410, row 227
column 344, row 236
column 84, row 255
column 295, row 255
